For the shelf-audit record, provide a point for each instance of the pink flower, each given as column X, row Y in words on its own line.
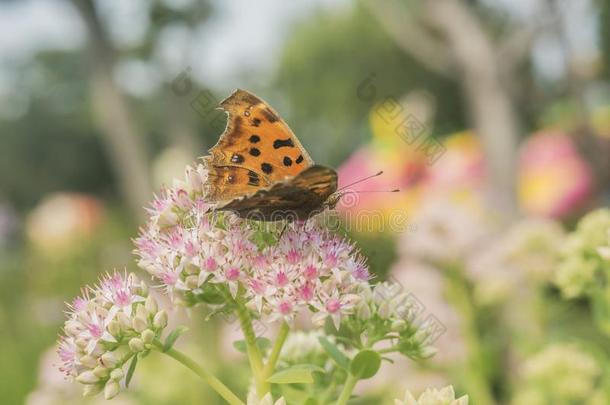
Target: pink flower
column 334, row 305
column 99, row 325
column 277, row 279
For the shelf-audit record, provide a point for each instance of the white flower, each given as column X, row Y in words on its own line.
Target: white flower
column 432, row 396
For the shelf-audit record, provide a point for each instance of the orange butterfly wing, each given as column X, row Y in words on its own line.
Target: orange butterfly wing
column 256, row 150
column 259, row 169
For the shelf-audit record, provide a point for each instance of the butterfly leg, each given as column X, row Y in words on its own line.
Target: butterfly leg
column 283, row 230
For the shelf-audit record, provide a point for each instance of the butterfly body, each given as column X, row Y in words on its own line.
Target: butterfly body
column 259, row 169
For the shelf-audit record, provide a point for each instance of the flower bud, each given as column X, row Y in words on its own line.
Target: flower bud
column 148, row 336
column 82, row 343
column 140, row 322
column 364, row 312
column 114, row 328
column 167, row 218
column 191, row 269
column 192, row 282
column 111, row 389
column 384, row 310
column 136, row 345
column 151, row 305
column 124, row 320
column 87, row 377
column 160, row 319
column 398, row 325
column 117, row 374
column 109, row 359
column 428, row 352
column 101, row 372
column 421, row 335
column 92, row 389
column 88, row 361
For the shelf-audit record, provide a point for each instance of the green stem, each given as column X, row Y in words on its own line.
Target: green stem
column 275, row 352
column 254, row 354
column 474, row 375
column 350, row 383
column 213, row 382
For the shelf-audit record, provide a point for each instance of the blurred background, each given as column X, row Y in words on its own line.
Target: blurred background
column 492, row 117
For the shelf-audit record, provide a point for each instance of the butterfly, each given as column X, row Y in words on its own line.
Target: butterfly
column 259, row 169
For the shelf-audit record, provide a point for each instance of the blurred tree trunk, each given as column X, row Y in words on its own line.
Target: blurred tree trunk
column 120, row 134
column 594, row 147
column 491, row 108
column 469, row 56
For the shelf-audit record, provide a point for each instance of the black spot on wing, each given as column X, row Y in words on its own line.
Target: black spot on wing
column 283, row 143
column 255, row 152
column 256, row 122
column 255, row 138
column 267, row 168
column 299, row 159
column 287, row 161
column 253, row 178
column 269, row 115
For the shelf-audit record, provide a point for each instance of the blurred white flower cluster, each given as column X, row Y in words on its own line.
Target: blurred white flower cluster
column 432, row 396
column 561, row 373
column 582, row 265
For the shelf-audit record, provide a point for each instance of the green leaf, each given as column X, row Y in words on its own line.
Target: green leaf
column 262, row 343
column 173, row 336
column 293, row 394
column 131, row 370
column 365, row 364
column 211, row 294
column 334, row 352
column 299, row 374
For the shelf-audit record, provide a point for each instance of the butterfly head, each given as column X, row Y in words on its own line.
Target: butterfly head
column 332, row 200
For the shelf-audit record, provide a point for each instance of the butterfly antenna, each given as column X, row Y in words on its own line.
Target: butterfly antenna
column 361, row 180
column 372, row 191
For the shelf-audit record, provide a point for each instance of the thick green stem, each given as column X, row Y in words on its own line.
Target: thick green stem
column 350, row 383
column 213, row 382
column 254, row 354
column 275, row 352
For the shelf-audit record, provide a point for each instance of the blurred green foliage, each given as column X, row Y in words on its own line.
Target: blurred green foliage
column 324, row 62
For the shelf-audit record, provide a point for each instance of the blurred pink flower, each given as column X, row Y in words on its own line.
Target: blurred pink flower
column 554, row 180
column 62, row 219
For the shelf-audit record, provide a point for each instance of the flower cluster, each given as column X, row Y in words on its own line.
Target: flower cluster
column 107, row 326
column 200, row 255
column 432, row 396
column 582, row 266
column 387, row 313
column 526, row 255
column 561, row 372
